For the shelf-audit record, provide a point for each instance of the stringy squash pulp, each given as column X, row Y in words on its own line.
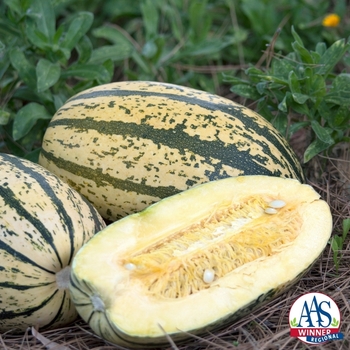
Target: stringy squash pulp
column 199, row 259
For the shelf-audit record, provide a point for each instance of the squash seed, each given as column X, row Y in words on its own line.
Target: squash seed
column 277, row 204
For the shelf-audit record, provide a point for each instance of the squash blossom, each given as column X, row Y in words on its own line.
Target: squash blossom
column 331, row 20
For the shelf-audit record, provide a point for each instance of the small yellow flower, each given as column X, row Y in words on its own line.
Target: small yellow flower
column 331, row 20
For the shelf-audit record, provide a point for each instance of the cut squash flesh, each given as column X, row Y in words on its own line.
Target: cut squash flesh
column 199, row 259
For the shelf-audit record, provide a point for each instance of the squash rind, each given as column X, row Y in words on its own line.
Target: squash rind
column 43, row 223
column 226, row 300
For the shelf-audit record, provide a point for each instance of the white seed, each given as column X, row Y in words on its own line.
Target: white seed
column 277, row 203
column 208, row 275
column 130, row 266
column 270, row 211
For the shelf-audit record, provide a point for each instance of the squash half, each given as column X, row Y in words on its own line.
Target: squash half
column 198, row 260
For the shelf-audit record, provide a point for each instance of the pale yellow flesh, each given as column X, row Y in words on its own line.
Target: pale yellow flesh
column 137, row 312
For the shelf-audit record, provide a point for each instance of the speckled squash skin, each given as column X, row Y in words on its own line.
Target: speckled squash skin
column 127, row 145
column 43, row 223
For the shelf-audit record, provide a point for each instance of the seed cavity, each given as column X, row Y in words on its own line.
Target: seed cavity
column 234, row 234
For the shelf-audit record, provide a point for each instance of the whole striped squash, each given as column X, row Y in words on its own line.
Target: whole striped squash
column 43, row 223
column 127, row 145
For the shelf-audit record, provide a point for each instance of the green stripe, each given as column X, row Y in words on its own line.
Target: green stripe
column 21, row 257
column 22, row 311
column 61, row 310
column 41, row 180
column 12, row 285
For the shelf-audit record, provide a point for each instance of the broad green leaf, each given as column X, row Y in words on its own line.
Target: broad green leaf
column 78, row 27
column 340, row 118
column 246, row 91
column 150, row 17
column 27, row 117
column 87, row 72
column 300, row 98
column 43, row 13
column 84, row 48
column 322, row 133
column 47, row 74
column 111, row 34
column 317, row 86
column 303, row 53
column 36, row 37
column 261, row 87
column 114, row 52
column 332, row 56
column 25, row 69
column 281, row 68
column 316, row 147
column 340, row 91
column 321, row 48
column 293, row 82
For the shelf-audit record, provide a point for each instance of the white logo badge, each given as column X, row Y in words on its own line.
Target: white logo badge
column 314, row 318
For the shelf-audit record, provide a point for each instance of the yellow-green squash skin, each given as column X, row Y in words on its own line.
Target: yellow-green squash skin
column 43, row 223
column 127, row 145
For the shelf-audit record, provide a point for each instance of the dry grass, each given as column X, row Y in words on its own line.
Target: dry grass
column 268, row 327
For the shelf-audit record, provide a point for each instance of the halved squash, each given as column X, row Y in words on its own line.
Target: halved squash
column 199, row 259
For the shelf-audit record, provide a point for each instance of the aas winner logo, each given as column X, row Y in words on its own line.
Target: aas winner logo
column 314, row 318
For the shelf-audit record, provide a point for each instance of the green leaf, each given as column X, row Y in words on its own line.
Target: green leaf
column 340, row 91
column 87, row 72
column 332, row 56
column 323, row 134
column 150, row 18
column 47, row 74
column 246, row 91
column 36, row 37
column 316, row 147
column 27, row 117
column 346, row 228
column 300, row 98
column 84, row 48
column 321, row 48
column 281, row 69
column 111, row 34
column 114, row 52
column 334, row 244
column 78, row 27
column 25, row 69
column 43, row 13
column 304, row 54
column 297, row 38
